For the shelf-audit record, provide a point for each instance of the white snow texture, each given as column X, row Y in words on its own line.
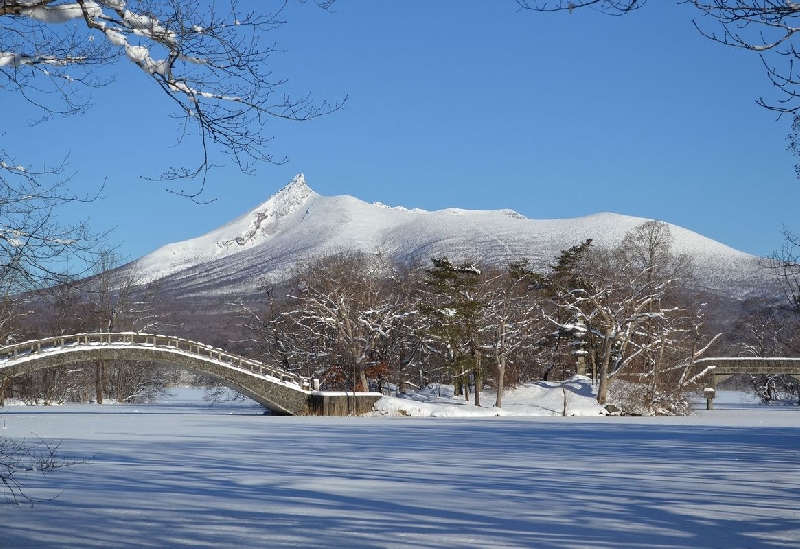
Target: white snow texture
column 297, row 223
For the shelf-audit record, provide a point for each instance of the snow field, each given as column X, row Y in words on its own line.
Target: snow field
column 574, row 397
column 186, row 474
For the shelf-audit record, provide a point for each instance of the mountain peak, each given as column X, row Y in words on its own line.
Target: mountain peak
column 298, row 183
column 264, row 220
column 286, row 200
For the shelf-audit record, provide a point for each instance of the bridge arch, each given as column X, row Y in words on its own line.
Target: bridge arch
column 280, row 391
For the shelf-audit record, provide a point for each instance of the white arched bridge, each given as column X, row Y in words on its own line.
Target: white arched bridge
column 280, row 391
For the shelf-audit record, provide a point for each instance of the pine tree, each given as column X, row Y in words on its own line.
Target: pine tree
column 454, row 310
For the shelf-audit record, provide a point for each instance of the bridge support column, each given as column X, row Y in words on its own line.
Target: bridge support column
column 709, row 393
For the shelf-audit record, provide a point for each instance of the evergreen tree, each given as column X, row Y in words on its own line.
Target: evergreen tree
column 454, row 309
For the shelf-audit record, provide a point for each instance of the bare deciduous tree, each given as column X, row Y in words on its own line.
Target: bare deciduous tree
column 344, row 307
column 622, row 299
column 511, row 318
column 209, row 59
column 18, row 457
column 786, row 264
column 36, row 249
column 766, row 327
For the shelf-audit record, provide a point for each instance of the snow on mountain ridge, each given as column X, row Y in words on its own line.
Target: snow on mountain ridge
column 264, row 219
column 399, row 208
column 297, row 223
column 248, row 230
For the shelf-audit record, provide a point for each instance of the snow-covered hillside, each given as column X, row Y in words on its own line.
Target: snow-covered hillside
column 297, row 223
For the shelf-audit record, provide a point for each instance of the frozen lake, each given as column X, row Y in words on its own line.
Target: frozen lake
column 183, row 474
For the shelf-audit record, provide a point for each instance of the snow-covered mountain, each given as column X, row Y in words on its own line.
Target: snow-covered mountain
column 297, row 223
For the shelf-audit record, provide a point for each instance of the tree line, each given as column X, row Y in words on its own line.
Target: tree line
column 624, row 315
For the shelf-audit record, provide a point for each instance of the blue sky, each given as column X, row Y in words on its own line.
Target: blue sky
column 471, row 104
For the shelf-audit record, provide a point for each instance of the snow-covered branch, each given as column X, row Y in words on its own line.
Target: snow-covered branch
column 34, row 245
column 211, row 62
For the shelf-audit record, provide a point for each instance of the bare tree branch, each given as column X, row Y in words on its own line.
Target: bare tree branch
column 210, row 61
column 18, row 457
column 36, row 249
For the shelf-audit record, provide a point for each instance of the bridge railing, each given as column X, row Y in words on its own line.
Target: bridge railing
column 752, row 365
column 112, row 339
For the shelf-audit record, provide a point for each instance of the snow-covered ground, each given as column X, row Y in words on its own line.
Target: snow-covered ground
column 574, row 397
column 183, row 474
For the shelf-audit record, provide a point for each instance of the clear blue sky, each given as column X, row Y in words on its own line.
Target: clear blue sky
column 471, row 104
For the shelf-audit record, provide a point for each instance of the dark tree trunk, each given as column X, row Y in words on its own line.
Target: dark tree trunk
column 501, row 377
column 98, row 381
column 603, row 373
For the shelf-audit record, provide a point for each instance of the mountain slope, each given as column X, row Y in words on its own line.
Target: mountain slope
column 297, row 223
